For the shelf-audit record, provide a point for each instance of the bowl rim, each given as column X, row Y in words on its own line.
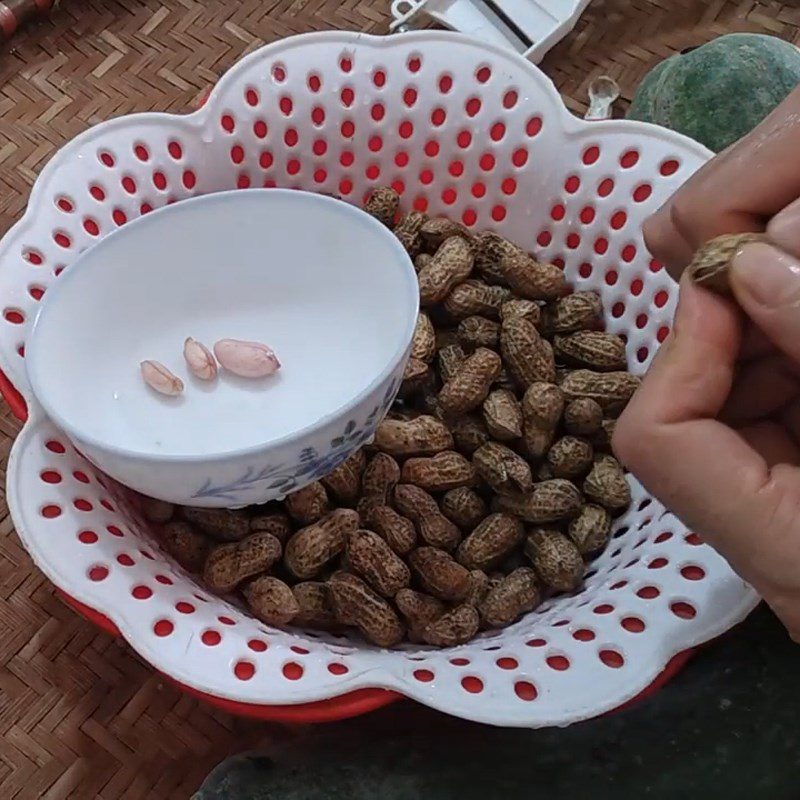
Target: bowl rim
column 33, row 348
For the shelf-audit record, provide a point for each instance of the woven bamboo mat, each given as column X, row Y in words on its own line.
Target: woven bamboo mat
column 80, row 715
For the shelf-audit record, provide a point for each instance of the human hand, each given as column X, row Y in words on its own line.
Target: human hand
column 714, row 431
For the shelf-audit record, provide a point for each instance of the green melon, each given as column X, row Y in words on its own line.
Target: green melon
column 720, row 91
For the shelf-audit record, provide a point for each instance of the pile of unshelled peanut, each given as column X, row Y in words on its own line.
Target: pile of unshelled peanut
column 487, row 485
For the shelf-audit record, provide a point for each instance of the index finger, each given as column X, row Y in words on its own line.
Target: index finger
column 738, row 191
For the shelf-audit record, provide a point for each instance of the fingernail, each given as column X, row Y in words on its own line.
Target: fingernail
column 769, row 276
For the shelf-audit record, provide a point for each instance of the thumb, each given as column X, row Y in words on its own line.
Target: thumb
column 766, row 283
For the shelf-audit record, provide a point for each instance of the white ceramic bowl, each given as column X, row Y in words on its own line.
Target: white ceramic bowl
column 323, row 283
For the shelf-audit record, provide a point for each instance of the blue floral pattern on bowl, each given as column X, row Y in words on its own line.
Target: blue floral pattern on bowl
column 284, row 478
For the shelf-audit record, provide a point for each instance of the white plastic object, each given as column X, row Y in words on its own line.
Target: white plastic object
column 464, row 129
column 528, row 27
column 603, row 92
column 292, row 269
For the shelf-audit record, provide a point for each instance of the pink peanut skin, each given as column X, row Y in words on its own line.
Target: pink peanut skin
column 159, row 378
column 246, row 359
column 200, row 360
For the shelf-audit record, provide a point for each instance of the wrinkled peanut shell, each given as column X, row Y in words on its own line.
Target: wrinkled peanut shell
column 711, row 263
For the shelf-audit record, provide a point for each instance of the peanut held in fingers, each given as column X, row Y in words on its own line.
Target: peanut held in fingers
column 159, row 378
column 200, row 360
column 246, row 359
column 710, row 267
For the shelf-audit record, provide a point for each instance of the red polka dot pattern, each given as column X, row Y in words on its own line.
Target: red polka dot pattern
column 244, row 670
column 292, row 671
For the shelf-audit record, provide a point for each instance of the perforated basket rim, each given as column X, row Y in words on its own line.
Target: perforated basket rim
column 571, row 125
column 83, row 593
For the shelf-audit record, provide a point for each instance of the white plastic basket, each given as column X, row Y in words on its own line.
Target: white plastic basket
column 461, row 129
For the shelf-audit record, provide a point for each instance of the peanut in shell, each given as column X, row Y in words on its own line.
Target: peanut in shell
column 479, row 584
column 583, row 417
column 464, row 507
column 344, row 483
column 454, row 627
column 573, row 312
column 590, row 529
column 542, row 406
column 383, row 204
column 450, row 359
column 408, row 231
column 548, row 501
column 423, row 342
column 526, row 309
column 433, row 527
column 355, row 603
column 371, row 557
column 418, row 609
column 490, row 250
column 530, row 279
column 397, row 531
column 503, row 415
column 474, row 297
column 555, row 559
column 228, row 565
column 469, row 433
column 271, row 600
column 222, row 524
column 439, row 574
column 445, row 470
column 312, row 547
column 188, row 547
column 421, row 261
column 510, row 597
column 381, row 475
column 606, row 484
column 471, row 384
column 570, row 457
column 421, row 436
column 476, row 331
column 504, row 470
column 315, row 609
column 610, row 390
column 437, row 230
column 710, row 267
column 415, row 375
column 275, row 522
column 308, row 504
column 597, row 350
column 491, row 542
column 526, row 355
column 450, row 265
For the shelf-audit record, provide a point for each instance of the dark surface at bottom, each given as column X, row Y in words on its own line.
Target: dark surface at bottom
column 727, row 727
